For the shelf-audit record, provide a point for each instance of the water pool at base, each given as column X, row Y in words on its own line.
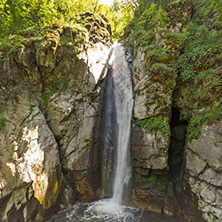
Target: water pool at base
column 108, row 211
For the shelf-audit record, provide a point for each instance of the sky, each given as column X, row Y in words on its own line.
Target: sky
column 106, row 2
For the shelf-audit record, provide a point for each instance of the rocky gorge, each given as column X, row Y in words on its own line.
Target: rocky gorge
column 51, row 113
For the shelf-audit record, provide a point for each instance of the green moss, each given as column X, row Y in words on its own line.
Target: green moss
column 30, row 108
column 161, row 181
column 163, row 66
column 205, row 168
column 152, row 178
column 76, row 74
column 155, row 124
column 138, row 91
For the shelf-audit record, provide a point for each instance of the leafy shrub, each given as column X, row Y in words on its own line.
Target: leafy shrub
column 155, row 124
column 151, row 19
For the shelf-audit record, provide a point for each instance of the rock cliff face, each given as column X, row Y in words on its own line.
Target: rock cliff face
column 50, row 114
column 50, row 119
column 176, row 129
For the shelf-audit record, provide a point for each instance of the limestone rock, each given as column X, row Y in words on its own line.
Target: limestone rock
column 149, row 150
column 208, row 146
column 97, row 25
column 139, row 70
column 75, row 129
column 150, row 100
column 213, row 177
column 194, row 164
column 96, row 57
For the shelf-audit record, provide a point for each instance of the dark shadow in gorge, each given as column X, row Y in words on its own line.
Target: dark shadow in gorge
column 177, row 147
column 178, row 194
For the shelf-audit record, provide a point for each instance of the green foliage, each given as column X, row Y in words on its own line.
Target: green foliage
column 193, row 128
column 21, row 14
column 119, row 15
column 191, row 92
column 155, row 124
column 2, row 122
column 201, row 44
column 163, row 66
column 151, row 20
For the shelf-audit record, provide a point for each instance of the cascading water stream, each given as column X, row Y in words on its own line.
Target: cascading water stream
column 123, row 96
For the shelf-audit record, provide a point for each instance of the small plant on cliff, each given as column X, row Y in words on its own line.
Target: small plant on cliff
column 194, row 126
column 2, row 122
column 59, row 85
column 197, row 120
column 155, row 124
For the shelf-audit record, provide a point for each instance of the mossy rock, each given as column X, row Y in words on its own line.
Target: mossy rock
column 97, row 25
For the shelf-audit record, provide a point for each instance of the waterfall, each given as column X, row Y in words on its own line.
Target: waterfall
column 117, row 115
column 123, row 97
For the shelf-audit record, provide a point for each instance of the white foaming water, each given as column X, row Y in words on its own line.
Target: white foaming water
column 124, row 104
column 100, row 211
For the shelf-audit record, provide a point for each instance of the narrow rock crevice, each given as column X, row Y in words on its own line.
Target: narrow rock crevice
column 177, row 146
